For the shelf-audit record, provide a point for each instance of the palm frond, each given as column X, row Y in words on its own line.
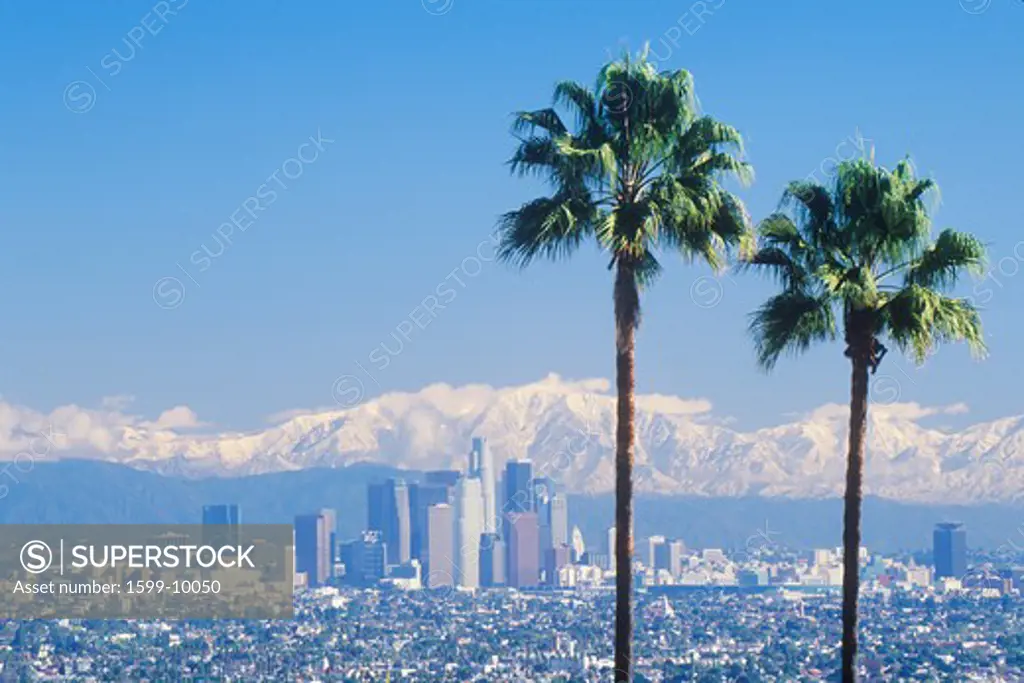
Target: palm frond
column 918, row 319
column 580, row 102
column 834, row 245
column 548, row 120
column 790, row 322
column 941, row 263
column 550, row 227
column 632, row 164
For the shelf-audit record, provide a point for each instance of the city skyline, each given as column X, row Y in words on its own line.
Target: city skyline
column 663, row 561
column 622, row 341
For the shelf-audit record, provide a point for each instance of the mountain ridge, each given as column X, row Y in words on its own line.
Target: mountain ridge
column 567, row 428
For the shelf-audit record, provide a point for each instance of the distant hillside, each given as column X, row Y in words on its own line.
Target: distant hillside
column 80, row 491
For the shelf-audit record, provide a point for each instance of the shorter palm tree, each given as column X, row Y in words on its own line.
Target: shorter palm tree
column 860, row 251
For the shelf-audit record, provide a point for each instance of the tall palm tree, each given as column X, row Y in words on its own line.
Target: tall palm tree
column 862, row 248
column 636, row 168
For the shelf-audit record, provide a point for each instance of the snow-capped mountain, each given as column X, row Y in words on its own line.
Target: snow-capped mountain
column 567, row 429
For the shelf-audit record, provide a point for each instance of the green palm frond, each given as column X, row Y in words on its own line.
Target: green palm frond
column 632, row 164
column 551, row 227
column 832, row 249
column 527, row 122
column 790, row 323
column 941, row 263
column 580, row 102
column 918, row 319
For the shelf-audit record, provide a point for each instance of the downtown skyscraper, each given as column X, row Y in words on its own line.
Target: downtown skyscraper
column 312, row 556
column 949, row 546
column 441, row 569
column 469, row 525
column 388, row 512
column 220, row 524
column 518, row 497
column 481, row 466
column 518, row 500
column 523, row 550
column 421, row 497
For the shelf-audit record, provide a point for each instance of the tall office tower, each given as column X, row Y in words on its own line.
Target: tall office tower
column 311, row 548
column 364, row 559
column 492, row 561
column 481, row 466
column 523, row 551
column 444, row 477
column 402, row 529
column 374, row 556
column 518, row 474
column 676, row 551
column 517, row 500
column 949, row 545
column 220, row 524
column 668, row 557
column 331, row 536
column 542, row 490
column 376, row 509
column 441, row 546
column 576, row 544
column 388, row 513
column 559, row 520
column 421, row 497
column 469, row 525
column 500, row 488
column 351, row 556
column 652, row 547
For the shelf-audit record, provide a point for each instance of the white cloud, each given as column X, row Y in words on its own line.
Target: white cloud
column 673, row 405
column 915, row 411
column 84, row 431
column 179, row 417
column 904, row 412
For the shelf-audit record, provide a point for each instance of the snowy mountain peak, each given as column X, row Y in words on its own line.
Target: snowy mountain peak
column 567, row 428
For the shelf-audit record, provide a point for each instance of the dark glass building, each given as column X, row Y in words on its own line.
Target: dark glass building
column 518, row 494
column 492, row 561
column 220, row 524
column 388, row 512
column 364, row 560
column 421, row 497
column 949, row 544
column 312, row 555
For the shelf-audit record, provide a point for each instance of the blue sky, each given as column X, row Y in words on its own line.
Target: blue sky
column 122, row 158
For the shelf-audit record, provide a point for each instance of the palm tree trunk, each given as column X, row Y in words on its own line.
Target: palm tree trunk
column 859, row 353
column 626, row 313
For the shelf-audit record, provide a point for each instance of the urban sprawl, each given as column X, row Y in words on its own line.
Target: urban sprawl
column 475, row 576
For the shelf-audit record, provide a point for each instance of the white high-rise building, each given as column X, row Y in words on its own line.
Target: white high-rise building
column 481, row 466
column 559, row 521
column 469, row 524
column 652, row 549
